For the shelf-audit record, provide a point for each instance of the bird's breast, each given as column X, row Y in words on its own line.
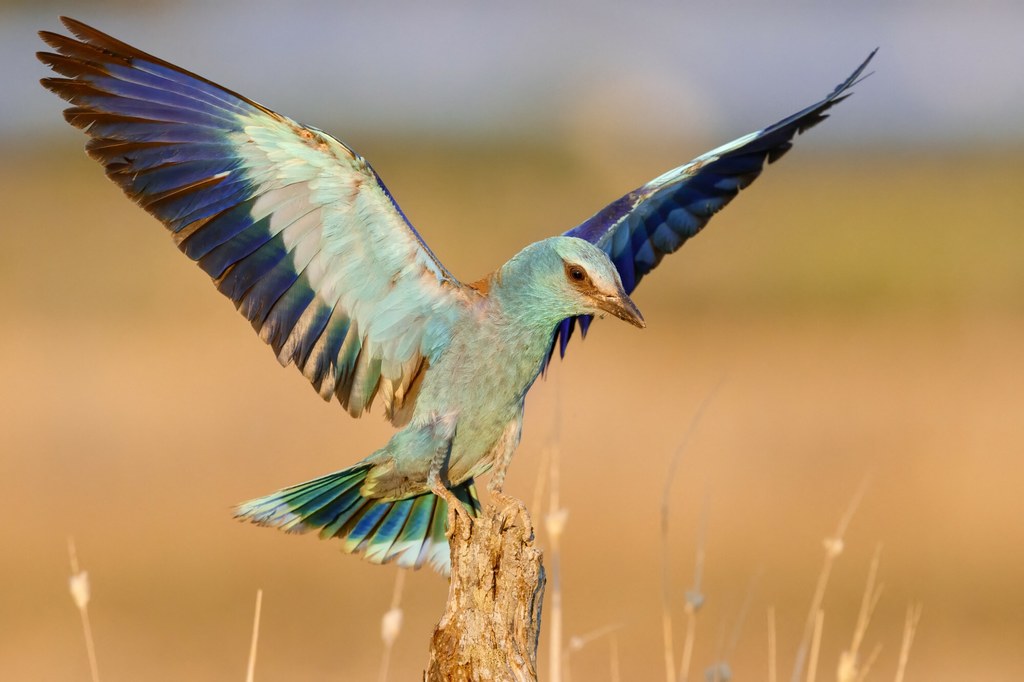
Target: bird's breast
column 483, row 377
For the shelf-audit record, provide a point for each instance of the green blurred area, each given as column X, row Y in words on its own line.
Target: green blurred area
column 871, row 230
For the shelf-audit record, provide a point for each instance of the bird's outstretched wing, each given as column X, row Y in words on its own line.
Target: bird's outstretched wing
column 640, row 228
column 292, row 225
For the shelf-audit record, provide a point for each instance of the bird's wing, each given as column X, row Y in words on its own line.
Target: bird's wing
column 640, row 228
column 292, row 225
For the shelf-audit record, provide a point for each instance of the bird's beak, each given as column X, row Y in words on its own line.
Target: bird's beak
column 621, row 306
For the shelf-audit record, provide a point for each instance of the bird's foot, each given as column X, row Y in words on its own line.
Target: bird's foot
column 458, row 517
column 455, row 508
column 511, row 508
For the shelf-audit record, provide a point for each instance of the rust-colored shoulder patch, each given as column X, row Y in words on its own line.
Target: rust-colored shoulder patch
column 311, row 138
column 482, row 286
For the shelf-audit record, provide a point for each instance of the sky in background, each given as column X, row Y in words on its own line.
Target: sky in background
column 945, row 73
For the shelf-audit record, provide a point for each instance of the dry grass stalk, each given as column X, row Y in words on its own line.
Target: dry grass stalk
column 694, row 597
column 690, row 614
column 812, row 667
column 391, row 625
column 250, row 673
column 773, row 647
column 741, row 617
column 833, row 548
column 554, row 524
column 542, row 478
column 577, row 642
column 909, row 630
column 850, row 669
column 869, row 662
column 491, row 625
column 668, row 637
column 80, row 593
column 721, row 670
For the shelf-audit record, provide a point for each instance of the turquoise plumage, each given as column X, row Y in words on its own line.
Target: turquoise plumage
column 302, row 235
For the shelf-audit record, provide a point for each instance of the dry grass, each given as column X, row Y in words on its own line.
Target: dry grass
column 250, row 670
column 80, row 594
column 391, row 624
column 850, row 667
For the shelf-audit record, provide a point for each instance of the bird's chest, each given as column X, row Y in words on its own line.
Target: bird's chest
column 482, row 379
column 490, row 367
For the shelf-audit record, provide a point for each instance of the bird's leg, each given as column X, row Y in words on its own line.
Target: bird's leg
column 455, row 507
column 437, row 484
column 502, row 458
column 497, row 482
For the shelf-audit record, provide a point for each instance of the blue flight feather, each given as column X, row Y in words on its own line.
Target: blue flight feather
column 685, row 198
column 279, row 322
column 232, row 177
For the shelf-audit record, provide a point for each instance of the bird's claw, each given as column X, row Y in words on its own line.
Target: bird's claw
column 458, row 516
column 455, row 508
column 511, row 508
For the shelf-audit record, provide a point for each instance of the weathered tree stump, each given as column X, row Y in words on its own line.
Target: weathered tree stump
column 491, row 624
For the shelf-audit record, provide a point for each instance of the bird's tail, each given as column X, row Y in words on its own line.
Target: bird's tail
column 410, row 531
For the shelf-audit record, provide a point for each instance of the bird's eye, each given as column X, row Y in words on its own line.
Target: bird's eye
column 577, row 274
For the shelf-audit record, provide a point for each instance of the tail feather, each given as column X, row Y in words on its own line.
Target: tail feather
column 417, row 525
column 410, row 532
column 362, row 528
column 324, row 495
column 437, row 554
column 348, row 508
column 389, row 528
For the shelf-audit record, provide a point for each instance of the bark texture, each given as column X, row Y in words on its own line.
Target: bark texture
column 491, row 624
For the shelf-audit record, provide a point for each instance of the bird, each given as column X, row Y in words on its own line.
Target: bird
column 302, row 235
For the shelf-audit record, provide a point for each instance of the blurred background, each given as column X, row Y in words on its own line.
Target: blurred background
column 857, row 313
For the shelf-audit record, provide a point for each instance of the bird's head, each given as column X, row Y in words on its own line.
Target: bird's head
column 590, row 282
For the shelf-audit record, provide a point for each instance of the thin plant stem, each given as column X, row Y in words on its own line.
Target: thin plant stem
column 812, row 667
column 666, row 634
column 863, row 674
column 391, row 624
column 250, row 673
column 833, row 548
column 579, row 641
column 718, row 667
column 741, row 617
column 909, row 630
column 555, row 524
column 694, row 596
column 725, row 648
column 542, row 479
column 849, row 660
column 868, row 603
column 666, row 582
column 80, row 594
column 773, row 647
column 613, row 663
column 545, row 454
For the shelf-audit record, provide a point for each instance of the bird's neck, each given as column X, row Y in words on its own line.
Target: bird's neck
column 524, row 314
column 525, row 297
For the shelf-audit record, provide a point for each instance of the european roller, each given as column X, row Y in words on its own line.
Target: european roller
column 302, row 235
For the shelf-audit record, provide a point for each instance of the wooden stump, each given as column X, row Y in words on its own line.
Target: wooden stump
column 491, row 624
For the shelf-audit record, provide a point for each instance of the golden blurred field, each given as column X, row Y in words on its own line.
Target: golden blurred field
column 862, row 313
